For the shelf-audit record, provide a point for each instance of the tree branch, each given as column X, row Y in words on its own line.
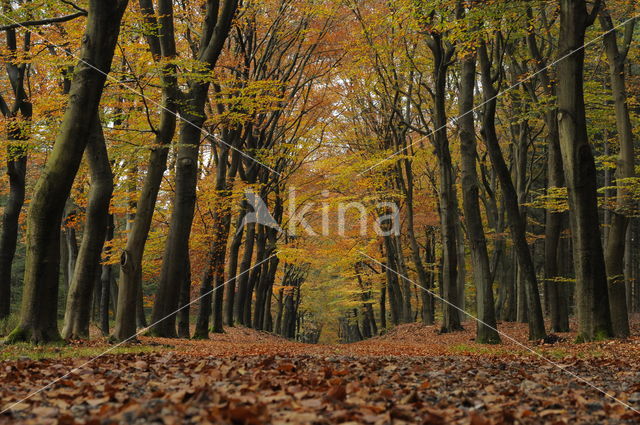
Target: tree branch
column 40, row 22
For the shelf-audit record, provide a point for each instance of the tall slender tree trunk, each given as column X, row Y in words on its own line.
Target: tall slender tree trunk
column 592, row 298
column 87, row 269
column 486, row 327
column 215, row 31
column 447, row 193
column 462, row 268
column 383, row 308
column 17, row 135
column 256, row 272
column 106, row 277
column 177, row 246
column 280, row 305
column 243, row 274
column 70, row 243
column 263, row 289
column 428, row 304
column 16, row 169
column 556, row 293
column 628, row 266
column 214, row 272
column 392, row 285
column 38, row 316
column 615, row 247
column 217, row 325
column 130, row 281
column 516, row 224
column 232, row 266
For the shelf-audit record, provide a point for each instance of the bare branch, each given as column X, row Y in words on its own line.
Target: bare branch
column 41, row 22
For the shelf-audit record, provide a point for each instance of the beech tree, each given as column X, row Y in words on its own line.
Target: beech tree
column 18, row 115
column 592, row 298
column 616, row 238
column 161, row 41
column 218, row 19
column 38, row 321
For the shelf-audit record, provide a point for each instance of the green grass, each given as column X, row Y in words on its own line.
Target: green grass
column 62, row 351
column 8, row 324
column 556, row 353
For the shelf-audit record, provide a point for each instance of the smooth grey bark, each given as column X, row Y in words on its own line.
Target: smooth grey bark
column 185, row 298
column 486, row 327
column 277, row 328
column 370, row 327
column 106, row 278
column 70, row 245
column 592, row 297
column 232, row 266
column 213, row 275
column 447, row 194
column 255, row 275
column 87, row 266
column 462, row 268
column 242, row 278
column 392, row 281
column 219, row 16
column 516, row 224
column 38, row 316
column 616, row 240
column 264, row 286
column 427, row 299
column 162, row 46
column 555, row 288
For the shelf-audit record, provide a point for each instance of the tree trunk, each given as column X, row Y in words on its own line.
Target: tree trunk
column 215, row 31
column 263, row 289
column 556, row 294
column 130, row 280
column 243, row 274
column 383, row 308
column 219, row 281
column 592, row 298
column 176, row 250
column 448, row 208
column 70, row 243
column 185, row 298
column 486, row 326
column 516, row 224
column 628, row 267
column 87, row 269
column 38, row 317
column 615, row 248
column 462, row 269
column 280, row 305
column 17, row 135
column 141, row 318
column 214, row 272
column 232, row 266
column 255, row 275
column 393, row 287
column 106, row 278
column 17, row 171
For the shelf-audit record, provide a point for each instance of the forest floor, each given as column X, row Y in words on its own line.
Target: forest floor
column 410, row 375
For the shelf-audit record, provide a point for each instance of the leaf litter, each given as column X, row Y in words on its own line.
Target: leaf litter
column 410, row 375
